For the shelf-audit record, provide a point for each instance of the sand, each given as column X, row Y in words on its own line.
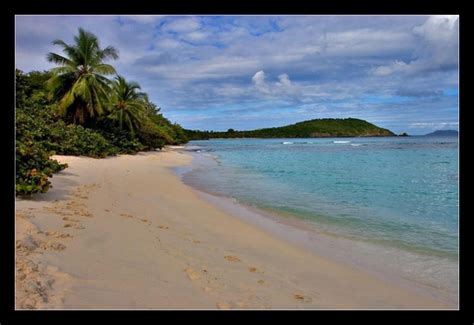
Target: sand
column 126, row 233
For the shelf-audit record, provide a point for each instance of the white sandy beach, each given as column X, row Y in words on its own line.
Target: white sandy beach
column 126, row 233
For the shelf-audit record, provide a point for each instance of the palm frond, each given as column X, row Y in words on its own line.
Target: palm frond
column 58, row 59
column 109, row 53
column 104, row 69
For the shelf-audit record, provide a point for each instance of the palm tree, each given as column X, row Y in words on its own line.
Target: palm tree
column 129, row 105
column 79, row 83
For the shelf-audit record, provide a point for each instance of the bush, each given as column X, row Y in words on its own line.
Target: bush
column 122, row 141
column 33, row 167
column 79, row 141
column 41, row 126
column 153, row 136
column 180, row 134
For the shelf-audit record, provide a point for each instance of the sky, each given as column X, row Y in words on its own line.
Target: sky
column 247, row 72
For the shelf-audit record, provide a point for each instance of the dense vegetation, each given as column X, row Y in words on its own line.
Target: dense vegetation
column 319, row 128
column 77, row 109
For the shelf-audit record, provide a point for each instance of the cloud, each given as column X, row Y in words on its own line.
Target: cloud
column 408, row 92
column 435, row 125
column 196, row 36
column 437, row 48
column 438, row 29
column 284, row 81
column 366, row 41
column 144, row 19
column 258, row 80
column 396, row 66
column 154, row 59
column 179, row 25
column 283, row 87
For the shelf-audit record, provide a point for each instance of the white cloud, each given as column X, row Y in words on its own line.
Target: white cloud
column 437, row 48
column 438, row 28
column 167, row 43
column 187, row 24
column 196, row 36
column 284, row 81
column 362, row 42
column 283, row 87
column 258, row 80
column 144, row 19
column 435, row 125
column 396, row 66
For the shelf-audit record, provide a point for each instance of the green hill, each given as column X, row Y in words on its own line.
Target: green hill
column 318, row 128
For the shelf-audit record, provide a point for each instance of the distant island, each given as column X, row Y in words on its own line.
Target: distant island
column 443, row 133
column 317, row 128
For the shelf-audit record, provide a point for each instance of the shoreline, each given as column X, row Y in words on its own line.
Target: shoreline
column 163, row 246
column 307, row 236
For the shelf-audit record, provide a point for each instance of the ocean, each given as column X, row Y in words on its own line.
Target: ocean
column 395, row 198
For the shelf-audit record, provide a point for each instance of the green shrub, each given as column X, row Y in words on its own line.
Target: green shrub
column 123, row 143
column 41, row 126
column 33, row 167
column 179, row 134
column 152, row 136
column 80, row 141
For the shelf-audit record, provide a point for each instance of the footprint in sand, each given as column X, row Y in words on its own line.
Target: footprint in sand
column 55, row 246
column 56, row 234
column 127, row 215
column 241, row 304
column 192, row 274
column 300, row 296
column 76, row 226
column 163, row 227
column 232, row 258
column 223, row 305
column 252, row 269
column 196, row 242
column 70, row 219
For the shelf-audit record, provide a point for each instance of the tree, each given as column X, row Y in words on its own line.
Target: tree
column 128, row 104
column 79, row 83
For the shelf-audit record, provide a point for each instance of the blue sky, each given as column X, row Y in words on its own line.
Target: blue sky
column 246, row 72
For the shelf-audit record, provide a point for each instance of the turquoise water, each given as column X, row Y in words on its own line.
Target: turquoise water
column 396, row 192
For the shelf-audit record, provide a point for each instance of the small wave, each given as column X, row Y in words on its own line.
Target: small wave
column 356, row 144
column 192, row 148
column 286, row 142
column 341, row 142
